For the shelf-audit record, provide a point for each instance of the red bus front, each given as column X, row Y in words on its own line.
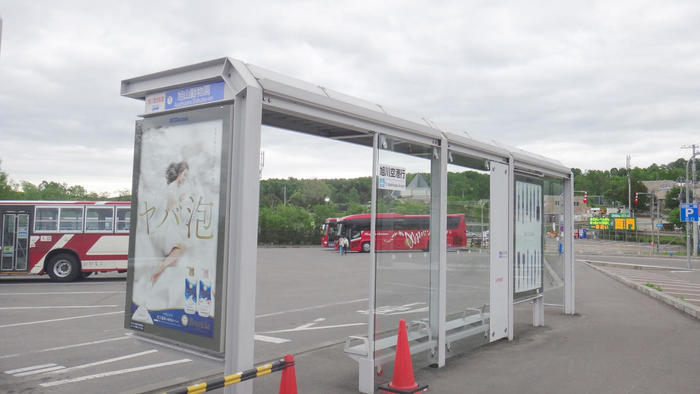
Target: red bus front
column 329, row 231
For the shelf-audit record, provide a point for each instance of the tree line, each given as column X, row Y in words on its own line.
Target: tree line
column 292, row 210
column 612, row 186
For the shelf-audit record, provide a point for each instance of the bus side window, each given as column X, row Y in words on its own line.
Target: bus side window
column 123, row 219
column 99, row 219
column 46, row 219
column 71, row 219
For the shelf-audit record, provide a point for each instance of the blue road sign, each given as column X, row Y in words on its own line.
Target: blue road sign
column 659, row 225
column 689, row 212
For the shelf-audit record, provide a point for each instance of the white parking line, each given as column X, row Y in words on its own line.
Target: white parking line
column 265, row 338
column 109, row 360
column 65, row 347
column 306, row 327
column 308, row 308
column 38, row 371
column 113, row 373
column 61, row 319
column 62, row 292
column 11, row 308
column 33, row 367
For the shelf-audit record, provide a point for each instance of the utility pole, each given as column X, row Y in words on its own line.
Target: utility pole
column 695, row 224
column 691, row 199
column 629, row 186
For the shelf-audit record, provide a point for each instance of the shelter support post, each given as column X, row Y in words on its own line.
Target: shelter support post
column 500, row 268
column 438, row 250
column 568, row 241
column 242, row 243
column 511, row 245
column 366, row 366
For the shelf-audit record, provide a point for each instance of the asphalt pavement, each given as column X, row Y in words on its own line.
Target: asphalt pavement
column 619, row 341
column 68, row 337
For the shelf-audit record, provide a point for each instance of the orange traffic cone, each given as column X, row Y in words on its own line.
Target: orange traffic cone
column 403, row 381
column 288, row 384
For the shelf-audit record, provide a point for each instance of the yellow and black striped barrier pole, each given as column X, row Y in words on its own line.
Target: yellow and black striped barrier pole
column 237, row 377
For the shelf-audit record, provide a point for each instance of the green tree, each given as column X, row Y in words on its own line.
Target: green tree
column 311, row 192
column 7, row 192
column 674, row 216
column 673, row 197
column 287, row 225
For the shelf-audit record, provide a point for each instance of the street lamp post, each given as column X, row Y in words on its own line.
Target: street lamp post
column 687, row 200
column 651, row 216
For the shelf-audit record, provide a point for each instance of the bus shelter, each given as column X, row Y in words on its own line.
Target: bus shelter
column 466, row 288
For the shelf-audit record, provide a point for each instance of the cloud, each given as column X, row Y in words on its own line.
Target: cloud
column 585, row 83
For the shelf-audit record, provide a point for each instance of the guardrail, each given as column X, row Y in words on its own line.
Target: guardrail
column 262, row 370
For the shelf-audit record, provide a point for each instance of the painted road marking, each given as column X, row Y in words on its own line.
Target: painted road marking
column 9, row 308
column 110, row 360
column 65, row 347
column 114, row 373
column 61, row 319
column 397, row 309
column 264, row 338
column 38, row 371
column 308, row 308
column 311, row 326
column 33, row 367
column 63, row 292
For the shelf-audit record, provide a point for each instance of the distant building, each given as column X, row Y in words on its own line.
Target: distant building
column 418, row 189
column 660, row 188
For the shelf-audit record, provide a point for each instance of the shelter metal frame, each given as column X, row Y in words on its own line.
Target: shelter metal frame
column 262, row 97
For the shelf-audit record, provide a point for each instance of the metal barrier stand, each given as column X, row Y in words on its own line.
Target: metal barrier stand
column 238, row 377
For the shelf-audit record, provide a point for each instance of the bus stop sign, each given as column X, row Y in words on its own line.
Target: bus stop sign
column 689, row 212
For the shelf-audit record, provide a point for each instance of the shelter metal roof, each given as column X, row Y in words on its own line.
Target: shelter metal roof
column 296, row 105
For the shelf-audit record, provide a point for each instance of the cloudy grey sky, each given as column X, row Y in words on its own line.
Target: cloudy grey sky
column 583, row 82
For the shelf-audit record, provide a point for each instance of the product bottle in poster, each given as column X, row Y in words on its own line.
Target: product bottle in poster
column 190, row 291
column 204, row 299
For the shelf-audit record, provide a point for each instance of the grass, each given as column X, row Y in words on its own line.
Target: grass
column 653, row 286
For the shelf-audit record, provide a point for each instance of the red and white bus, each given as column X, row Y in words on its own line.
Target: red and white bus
column 329, row 233
column 399, row 232
column 65, row 239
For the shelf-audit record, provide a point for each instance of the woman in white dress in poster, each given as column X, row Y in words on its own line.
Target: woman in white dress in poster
column 169, row 240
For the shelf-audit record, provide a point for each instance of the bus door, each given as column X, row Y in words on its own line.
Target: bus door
column 14, row 239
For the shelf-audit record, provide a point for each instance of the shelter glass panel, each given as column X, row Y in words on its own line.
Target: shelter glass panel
column 309, row 292
column 553, row 252
column 403, row 261
column 468, row 262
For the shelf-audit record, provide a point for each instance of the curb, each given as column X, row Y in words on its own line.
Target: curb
column 677, row 303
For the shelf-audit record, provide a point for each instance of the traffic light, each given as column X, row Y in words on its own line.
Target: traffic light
column 636, row 198
column 585, row 196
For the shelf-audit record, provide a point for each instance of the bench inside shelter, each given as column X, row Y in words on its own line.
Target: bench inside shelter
column 420, row 338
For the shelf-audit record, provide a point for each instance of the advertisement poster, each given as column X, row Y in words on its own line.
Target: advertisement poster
column 176, row 235
column 528, row 236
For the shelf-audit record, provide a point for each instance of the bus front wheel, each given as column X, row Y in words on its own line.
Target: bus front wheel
column 365, row 247
column 64, row 268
